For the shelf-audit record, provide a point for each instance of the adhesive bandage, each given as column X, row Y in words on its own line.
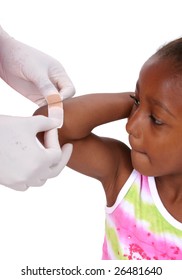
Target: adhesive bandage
column 54, row 100
column 55, row 110
column 55, row 106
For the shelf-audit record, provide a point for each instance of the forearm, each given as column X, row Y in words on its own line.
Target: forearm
column 83, row 113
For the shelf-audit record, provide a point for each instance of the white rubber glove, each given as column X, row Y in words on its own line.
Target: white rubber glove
column 41, row 79
column 32, row 73
column 24, row 161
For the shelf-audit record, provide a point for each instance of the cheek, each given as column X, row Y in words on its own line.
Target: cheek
column 165, row 155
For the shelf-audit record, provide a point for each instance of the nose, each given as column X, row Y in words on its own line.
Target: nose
column 134, row 124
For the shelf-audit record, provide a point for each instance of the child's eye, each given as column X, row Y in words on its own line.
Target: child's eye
column 136, row 100
column 156, row 121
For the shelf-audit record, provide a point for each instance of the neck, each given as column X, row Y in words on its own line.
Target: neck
column 170, row 186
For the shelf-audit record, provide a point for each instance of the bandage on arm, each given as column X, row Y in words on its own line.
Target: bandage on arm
column 55, row 110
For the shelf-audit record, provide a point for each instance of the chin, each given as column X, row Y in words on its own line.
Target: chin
column 145, row 170
column 141, row 163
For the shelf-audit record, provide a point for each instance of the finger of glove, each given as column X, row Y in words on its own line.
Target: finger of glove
column 37, row 182
column 41, row 123
column 20, row 187
column 63, row 85
column 51, row 139
column 52, row 158
column 46, row 87
column 66, row 154
column 67, row 89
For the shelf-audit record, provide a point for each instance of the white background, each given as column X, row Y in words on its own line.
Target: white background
column 102, row 44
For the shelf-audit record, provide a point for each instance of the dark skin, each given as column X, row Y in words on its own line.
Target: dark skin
column 97, row 157
column 154, row 129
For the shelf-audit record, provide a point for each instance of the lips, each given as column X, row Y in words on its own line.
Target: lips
column 138, row 151
column 135, row 147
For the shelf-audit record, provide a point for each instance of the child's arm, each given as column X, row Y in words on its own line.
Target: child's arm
column 86, row 112
column 105, row 159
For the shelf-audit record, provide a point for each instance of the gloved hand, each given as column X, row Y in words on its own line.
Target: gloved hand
column 24, row 161
column 41, row 79
column 31, row 72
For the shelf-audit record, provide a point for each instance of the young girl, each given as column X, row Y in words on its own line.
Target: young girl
column 143, row 185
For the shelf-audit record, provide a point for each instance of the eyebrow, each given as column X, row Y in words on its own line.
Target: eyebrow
column 157, row 102
column 161, row 105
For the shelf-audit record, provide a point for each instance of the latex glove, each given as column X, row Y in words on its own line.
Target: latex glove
column 39, row 78
column 24, row 161
column 32, row 73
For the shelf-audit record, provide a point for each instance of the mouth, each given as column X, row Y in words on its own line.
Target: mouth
column 135, row 148
column 138, row 151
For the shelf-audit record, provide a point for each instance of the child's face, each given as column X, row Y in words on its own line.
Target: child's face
column 155, row 124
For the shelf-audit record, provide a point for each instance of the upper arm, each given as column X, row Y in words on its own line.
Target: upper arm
column 101, row 158
column 105, row 159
